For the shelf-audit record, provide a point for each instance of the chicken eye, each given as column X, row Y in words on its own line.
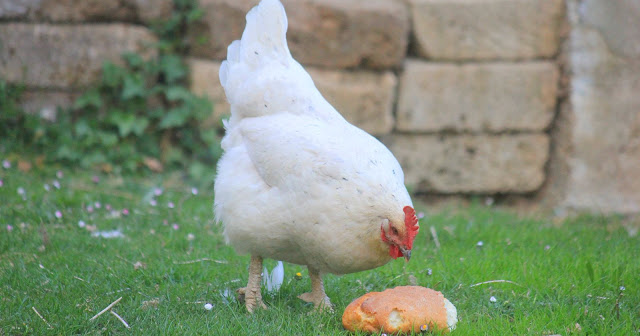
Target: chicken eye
column 394, row 230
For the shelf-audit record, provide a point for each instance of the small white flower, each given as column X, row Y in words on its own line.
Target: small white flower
column 81, row 223
column 547, row 247
column 98, row 205
column 175, row 226
column 622, row 288
column 191, row 236
column 480, row 244
column 157, row 191
column 58, row 214
column 194, row 191
column 9, row 228
column 153, row 202
column 6, row 164
column 59, row 174
column 208, row 306
column 89, row 208
column 21, row 191
column 171, row 205
column 56, row 184
column 429, row 271
column 493, row 299
column 46, row 187
column 420, row 215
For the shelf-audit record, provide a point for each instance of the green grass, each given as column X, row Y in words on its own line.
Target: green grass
column 567, row 274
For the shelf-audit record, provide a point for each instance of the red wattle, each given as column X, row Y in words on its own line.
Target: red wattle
column 394, row 252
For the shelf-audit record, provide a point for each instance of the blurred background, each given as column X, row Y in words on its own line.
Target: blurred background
column 533, row 103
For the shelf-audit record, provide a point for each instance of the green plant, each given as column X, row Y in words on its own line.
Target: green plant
column 140, row 110
column 17, row 128
column 143, row 111
column 140, row 115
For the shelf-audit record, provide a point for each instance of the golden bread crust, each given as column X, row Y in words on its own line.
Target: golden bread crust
column 400, row 309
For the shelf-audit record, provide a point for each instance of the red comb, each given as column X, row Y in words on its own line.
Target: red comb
column 411, row 224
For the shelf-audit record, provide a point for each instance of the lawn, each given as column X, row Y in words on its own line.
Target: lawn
column 72, row 243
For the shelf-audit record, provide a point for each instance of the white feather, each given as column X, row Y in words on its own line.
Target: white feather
column 272, row 281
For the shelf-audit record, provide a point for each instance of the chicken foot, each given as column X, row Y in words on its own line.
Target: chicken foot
column 251, row 294
column 317, row 295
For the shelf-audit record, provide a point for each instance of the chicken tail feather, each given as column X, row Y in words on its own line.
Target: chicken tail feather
column 258, row 62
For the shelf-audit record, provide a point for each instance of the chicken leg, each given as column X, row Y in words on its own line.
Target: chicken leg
column 317, row 295
column 251, row 293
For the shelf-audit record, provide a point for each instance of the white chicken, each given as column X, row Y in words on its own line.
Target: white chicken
column 297, row 182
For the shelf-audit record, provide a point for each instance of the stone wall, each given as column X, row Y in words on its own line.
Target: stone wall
column 536, row 98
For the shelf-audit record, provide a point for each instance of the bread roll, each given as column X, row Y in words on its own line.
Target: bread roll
column 401, row 309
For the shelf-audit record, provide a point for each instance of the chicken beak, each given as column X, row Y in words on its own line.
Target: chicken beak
column 406, row 253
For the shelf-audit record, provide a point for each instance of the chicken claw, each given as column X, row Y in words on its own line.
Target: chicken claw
column 317, row 295
column 251, row 294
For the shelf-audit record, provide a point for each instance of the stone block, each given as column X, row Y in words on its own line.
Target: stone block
column 65, row 11
column 487, row 29
column 66, row 56
column 479, row 164
column 364, row 98
column 324, row 33
column 477, row 97
column 604, row 161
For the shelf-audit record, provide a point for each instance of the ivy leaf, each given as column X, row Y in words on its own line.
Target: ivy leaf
column 107, row 139
column 175, row 117
column 172, row 68
column 133, row 87
column 90, row 98
column 194, row 15
column 82, row 128
column 128, row 123
column 112, row 75
column 175, row 93
column 133, row 59
column 139, row 126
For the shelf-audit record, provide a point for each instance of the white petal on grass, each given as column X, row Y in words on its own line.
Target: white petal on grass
column 208, row 306
column 82, row 224
column 480, row 244
column 272, row 281
column 108, row 234
column 194, row 191
column 56, row 184
column 493, row 299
